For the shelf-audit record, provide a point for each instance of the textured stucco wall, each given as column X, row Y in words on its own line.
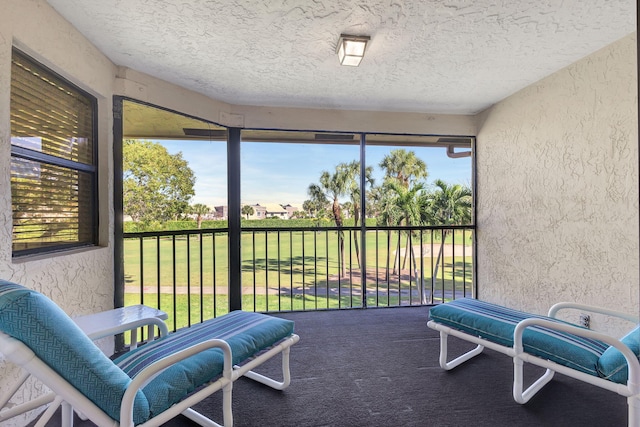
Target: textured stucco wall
column 557, row 173
column 557, row 170
column 80, row 281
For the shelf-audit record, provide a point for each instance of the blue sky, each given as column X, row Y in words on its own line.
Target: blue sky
column 282, row 172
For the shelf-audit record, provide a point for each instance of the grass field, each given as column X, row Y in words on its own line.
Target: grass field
column 284, row 271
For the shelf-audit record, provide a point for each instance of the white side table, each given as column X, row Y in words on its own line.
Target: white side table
column 113, row 322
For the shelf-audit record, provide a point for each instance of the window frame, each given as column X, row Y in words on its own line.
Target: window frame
column 23, row 153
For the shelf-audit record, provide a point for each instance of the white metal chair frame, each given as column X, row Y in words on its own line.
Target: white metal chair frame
column 631, row 389
column 71, row 399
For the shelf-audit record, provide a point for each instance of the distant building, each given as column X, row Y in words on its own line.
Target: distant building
column 274, row 210
column 221, row 212
column 271, row 210
column 290, row 209
column 259, row 212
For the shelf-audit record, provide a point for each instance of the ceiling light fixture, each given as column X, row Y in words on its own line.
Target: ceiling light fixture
column 350, row 49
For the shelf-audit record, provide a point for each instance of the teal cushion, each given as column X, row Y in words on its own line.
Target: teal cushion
column 40, row 324
column 247, row 334
column 497, row 324
column 612, row 365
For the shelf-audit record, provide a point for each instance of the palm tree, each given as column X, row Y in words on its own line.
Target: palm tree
column 325, row 193
column 403, row 165
column 332, row 186
column 406, row 200
column 200, row 210
column 310, row 207
column 448, row 205
column 387, row 214
column 352, row 182
column 247, row 210
column 451, row 203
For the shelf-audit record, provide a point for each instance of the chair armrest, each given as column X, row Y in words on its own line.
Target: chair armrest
column 593, row 309
column 154, row 369
column 633, row 364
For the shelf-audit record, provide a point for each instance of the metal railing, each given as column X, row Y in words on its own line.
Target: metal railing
column 185, row 273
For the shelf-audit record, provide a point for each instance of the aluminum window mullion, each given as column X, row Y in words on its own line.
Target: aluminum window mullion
column 25, row 153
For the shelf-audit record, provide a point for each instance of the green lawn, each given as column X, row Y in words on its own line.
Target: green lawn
column 284, row 271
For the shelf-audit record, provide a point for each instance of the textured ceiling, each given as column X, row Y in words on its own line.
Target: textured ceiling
column 435, row 56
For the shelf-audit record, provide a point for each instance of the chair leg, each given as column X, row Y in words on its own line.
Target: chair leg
column 518, row 382
column 67, row 415
column 227, row 410
column 46, row 415
column 458, row 360
column 200, row 419
column 13, row 390
column 634, row 410
column 286, row 374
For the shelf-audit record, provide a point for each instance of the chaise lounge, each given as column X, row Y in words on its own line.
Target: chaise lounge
column 146, row 386
column 545, row 341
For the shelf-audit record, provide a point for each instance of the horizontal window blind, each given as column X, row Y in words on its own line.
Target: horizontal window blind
column 53, row 173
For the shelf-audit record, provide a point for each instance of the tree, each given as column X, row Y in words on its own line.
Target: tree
column 387, row 214
column 451, row 204
column 332, row 186
column 408, row 212
column 308, row 207
column 312, row 207
column 352, row 184
column 448, row 205
column 157, row 186
column 400, row 166
column 248, row 211
column 403, row 165
column 199, row 210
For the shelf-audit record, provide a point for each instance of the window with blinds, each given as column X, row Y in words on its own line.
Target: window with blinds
column 53, row 160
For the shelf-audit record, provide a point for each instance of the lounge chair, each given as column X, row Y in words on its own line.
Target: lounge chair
column 545, row 341
column 146, row 386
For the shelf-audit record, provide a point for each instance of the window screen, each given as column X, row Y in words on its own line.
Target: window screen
column 53, row 160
